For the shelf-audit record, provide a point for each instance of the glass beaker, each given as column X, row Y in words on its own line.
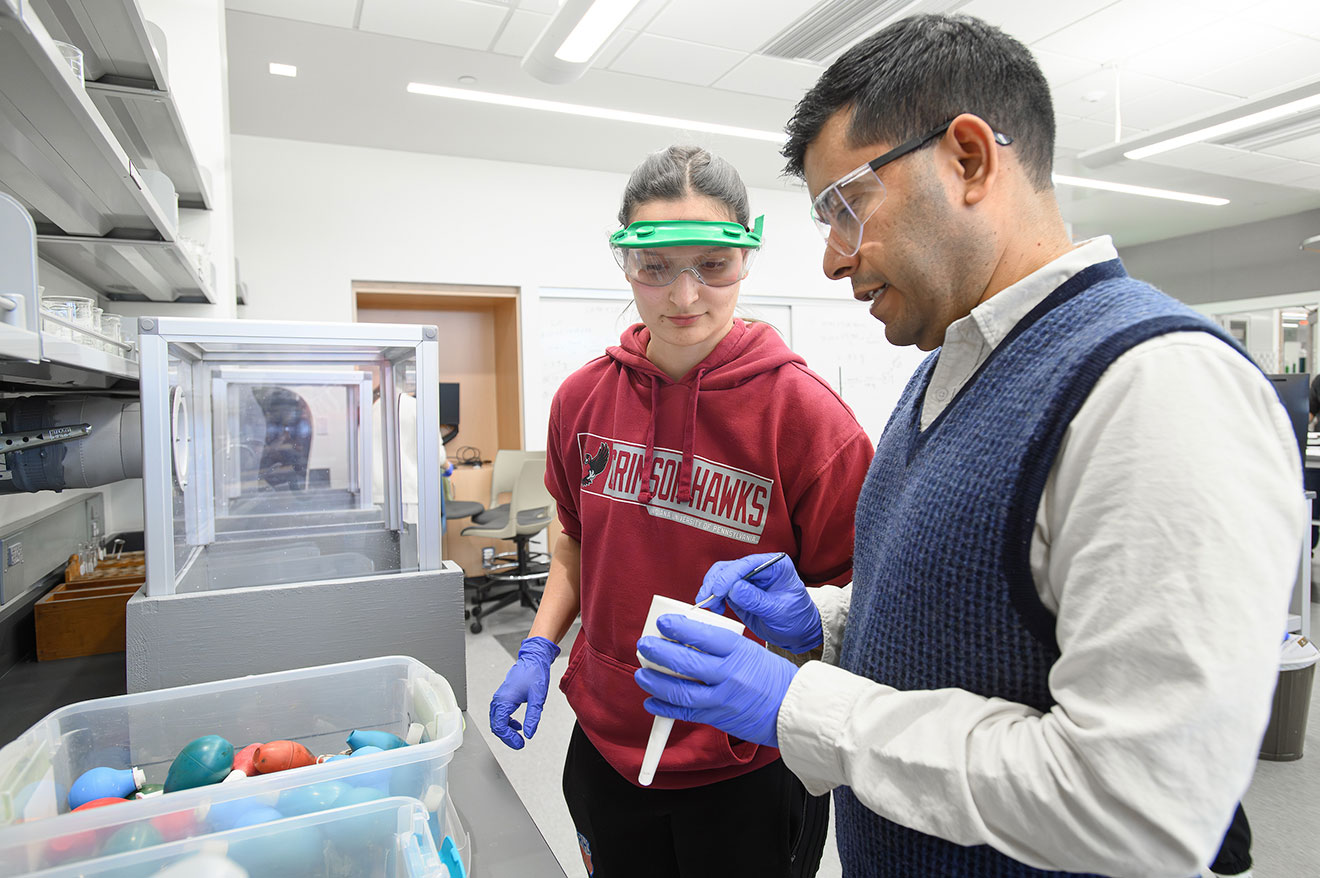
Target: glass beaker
column 74, row 309
column 111, row 328
column 64, row 311
column 91, row 340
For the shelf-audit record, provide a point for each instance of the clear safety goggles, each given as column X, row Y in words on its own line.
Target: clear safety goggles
column 843, row 208
column 717, row 254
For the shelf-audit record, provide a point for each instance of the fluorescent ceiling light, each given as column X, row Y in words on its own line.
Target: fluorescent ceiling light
column 283, row 69
column 1227, row 127
column 1147, row 191
column 574, row 37
column 485, row 97
column 596, row 26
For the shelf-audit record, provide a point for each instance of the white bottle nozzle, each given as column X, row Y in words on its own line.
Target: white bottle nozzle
column 655, row 747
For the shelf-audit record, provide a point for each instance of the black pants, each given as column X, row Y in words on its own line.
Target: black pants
column 762, row 823
column 1234, row 856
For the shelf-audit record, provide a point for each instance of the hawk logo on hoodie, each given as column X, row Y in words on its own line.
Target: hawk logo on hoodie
column 595, row 464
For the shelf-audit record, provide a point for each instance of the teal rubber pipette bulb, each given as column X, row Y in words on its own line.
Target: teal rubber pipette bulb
column 133, row 837
column 206, row 760
column 105, row 783
column 314, row 797
column 378, row 779
column 373, row 738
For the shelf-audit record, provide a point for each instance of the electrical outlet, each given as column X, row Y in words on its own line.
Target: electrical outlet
column 488, row 556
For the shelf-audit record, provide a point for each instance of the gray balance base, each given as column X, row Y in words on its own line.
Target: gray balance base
column 175, row 640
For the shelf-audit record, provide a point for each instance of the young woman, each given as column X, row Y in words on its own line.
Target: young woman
column 697, row 439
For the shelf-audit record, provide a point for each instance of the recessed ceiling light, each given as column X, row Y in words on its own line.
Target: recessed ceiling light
column 1128, row 189
column 1095, row 96
column 465, row 79
column 283, row 69
column 485, row 97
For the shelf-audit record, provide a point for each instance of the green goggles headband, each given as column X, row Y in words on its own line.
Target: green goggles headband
column 688, row 233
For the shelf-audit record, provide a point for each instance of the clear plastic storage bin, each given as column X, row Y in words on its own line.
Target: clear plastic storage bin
column 318, row 707
column 387, row 838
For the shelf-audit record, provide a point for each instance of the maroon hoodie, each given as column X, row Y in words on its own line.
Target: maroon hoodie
column 750, row 452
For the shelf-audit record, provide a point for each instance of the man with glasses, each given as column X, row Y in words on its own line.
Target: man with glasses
column 1076, row 540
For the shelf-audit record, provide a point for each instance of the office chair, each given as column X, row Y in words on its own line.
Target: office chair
column 508, row 463
column 517, row 577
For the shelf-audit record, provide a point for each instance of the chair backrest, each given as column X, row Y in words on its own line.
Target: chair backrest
column 508, row 465
column 530, row 493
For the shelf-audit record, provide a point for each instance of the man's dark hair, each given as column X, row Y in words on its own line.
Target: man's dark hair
column 922, row 71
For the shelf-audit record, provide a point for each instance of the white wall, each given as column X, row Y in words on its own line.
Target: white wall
column 311, row 218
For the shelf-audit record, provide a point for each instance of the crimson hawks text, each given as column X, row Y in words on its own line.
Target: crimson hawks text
column 725, row 500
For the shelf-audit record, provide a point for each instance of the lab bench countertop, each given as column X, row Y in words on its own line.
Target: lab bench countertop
column 505, row 843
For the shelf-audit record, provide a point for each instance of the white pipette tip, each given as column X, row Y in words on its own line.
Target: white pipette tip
column 655, row 747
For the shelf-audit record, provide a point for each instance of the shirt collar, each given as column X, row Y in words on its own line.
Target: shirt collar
column 997, row 315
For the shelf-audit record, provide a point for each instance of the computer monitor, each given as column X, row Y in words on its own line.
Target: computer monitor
column 448, row 411
column 1294, row 392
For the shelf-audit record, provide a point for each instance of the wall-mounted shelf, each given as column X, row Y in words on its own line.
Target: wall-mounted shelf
column 147, row 122
column 126, row 270
column 62, row 161
column 128, row 82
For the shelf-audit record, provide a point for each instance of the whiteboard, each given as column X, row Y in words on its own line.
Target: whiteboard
column 840, row 341
column 846, row 346
column 577, row 330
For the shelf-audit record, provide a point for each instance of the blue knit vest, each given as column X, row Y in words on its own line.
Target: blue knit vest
column 943, row 595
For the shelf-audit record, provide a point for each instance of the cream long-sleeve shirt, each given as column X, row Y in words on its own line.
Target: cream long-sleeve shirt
column 1167, row 543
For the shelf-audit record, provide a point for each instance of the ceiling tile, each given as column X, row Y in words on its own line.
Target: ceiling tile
column 520, row 32
column 771, row 77
column 1285, row 65
column 1287, row 169
column 1028, row 20
column 1206, row 49
column 1285, row 175
column 1248, row 163
column 338, row 13
column 1296, row 16
column 615, row 47
column 1062, row 69
column 1082, row 134
column 546, row 7
column 460, row 23
column 1125, row 29
column 1092, row 96
column 675, row 60
column 1170, row 104
column 741, row 26
column 1307, row 182
column 1306, row 149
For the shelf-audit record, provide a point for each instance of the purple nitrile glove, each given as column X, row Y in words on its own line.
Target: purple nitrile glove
column 527, row 682
column 774, row 603
column 737, row 686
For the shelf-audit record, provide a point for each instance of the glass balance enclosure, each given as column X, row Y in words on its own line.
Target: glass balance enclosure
column 287, row 452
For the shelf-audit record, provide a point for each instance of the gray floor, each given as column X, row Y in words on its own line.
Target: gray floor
column 1281, row 804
